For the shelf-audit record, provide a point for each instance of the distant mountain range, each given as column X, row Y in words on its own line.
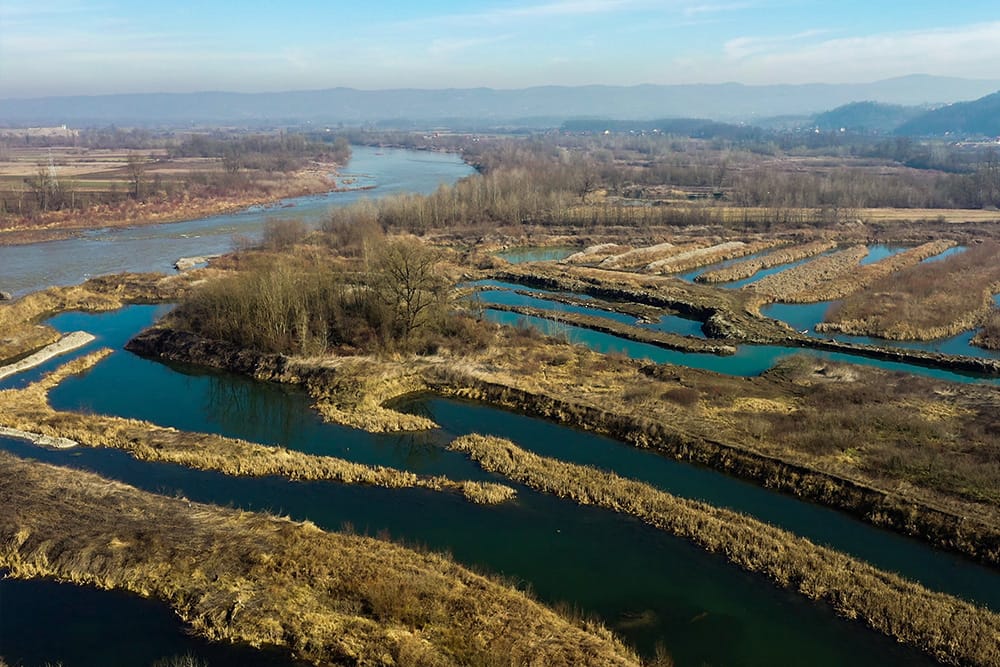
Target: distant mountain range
column 486, row 107
column 868, row 117
column 979, row 117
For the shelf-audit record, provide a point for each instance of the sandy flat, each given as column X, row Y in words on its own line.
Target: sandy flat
column 62, row 346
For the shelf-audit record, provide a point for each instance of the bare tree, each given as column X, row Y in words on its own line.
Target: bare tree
column 136, row 167
column 43, row 186
column 406, row 279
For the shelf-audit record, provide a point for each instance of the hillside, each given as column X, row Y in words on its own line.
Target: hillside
column 866, row 117
column 977, row 118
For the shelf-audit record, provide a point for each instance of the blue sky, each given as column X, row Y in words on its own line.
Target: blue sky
column 62, row 47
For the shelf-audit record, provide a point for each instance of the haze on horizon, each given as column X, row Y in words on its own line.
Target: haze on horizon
column 76, row 47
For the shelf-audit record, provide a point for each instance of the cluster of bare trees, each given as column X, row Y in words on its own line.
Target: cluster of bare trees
column 550, row 180
column 301, row 304
column 264, row 152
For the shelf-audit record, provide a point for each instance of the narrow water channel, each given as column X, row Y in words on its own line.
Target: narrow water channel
column 195, row 399
column 805, row 317
column 50, row 623
column 749, row 360
column 650, row 586
column 647, row 585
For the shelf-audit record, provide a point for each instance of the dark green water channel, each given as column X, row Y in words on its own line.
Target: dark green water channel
column 194, row 399
column 749, row 359
column 650, row 586
column 49, row 623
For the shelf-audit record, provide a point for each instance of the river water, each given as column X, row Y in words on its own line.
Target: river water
column 648, row 586
column 156, row 247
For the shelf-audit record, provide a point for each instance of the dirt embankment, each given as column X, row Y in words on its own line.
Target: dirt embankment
column 747, row 268
column 951, row 630
column 925, row 301
column 65, row 344
column 667, row 341
column 21, row 335
column 610, row 397
column 723, row 311
column 27, row 410
column 244, row 577
column 692, row 259
column 838, row 275
column 989, row 336
column 17, row 342
column 908, row 515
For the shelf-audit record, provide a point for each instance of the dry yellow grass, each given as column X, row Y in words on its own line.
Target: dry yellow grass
column 236, row 576
column 28, row 410
column 637, row 257
column 19, row 340
column 597, row 253
column 951, row 630
column 355, row 396
column 665, row 340
column 989, row 336
column 924, row 301
column 949, row 215
column 703, row 256
column 101, row 294
column 749, row 267
column 839, row 275
column 782, row 285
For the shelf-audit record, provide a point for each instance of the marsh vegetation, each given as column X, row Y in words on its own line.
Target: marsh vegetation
column 375, row 305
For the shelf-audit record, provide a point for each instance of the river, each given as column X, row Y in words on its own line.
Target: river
column 388, row 171
column 648, row 586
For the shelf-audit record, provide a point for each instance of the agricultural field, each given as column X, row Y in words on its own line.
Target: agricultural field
column 54, row 191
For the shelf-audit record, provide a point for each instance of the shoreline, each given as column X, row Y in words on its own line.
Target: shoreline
column 936, row 520
column 247, row 577
column 67, row 343
column 302, row 184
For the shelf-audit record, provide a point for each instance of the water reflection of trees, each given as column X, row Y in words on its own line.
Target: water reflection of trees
column 256, row 411
column 417, row 452
column 264, row 412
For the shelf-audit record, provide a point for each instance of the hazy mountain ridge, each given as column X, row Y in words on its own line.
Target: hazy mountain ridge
column 867, row 117
column 979, row 117
column 728, row 101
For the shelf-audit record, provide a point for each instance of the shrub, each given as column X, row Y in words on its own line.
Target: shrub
column 684, row 396
column 283, row 233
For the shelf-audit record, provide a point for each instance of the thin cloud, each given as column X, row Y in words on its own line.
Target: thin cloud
column 743, row 47
column 572, row 9
column 971, row 50
column 698, row 10
column 446, row 46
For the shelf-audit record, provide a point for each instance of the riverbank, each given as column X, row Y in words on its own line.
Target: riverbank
column 952, row 631
column 924, row 302
column 730, row 317
column 22, row 334
column 27, row 413
column 667, row 341
column 67, row 343
column 250, row 578
column 58, row 225
column 735, row 425
column 865, row 464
